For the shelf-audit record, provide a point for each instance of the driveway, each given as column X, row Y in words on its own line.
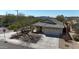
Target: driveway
column 11, row 43
column 45, row 42
column 4, row 45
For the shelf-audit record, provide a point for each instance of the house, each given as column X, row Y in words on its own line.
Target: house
column 49, row 27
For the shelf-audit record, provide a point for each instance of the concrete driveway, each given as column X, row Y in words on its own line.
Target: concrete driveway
column 11, row 43
column 4, row 45
column 44, row 42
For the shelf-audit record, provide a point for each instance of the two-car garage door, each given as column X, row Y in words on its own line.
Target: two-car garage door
column 52, row 31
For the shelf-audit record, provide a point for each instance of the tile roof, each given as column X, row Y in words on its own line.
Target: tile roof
column 50, row 23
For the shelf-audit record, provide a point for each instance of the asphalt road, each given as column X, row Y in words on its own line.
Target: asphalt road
column 4, row 45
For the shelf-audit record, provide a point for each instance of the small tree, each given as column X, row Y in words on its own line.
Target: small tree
column 60, row 18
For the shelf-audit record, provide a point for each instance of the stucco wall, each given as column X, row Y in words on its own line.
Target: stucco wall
column 68, row 45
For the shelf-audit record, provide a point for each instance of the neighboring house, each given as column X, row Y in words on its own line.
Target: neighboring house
column 50, row 27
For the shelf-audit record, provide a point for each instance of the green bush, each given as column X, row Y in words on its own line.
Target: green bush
column 13, row 22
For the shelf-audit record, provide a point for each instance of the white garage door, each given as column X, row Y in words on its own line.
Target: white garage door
column 52, row 31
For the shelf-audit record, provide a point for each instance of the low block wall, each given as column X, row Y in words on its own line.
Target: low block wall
column 69, row 45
